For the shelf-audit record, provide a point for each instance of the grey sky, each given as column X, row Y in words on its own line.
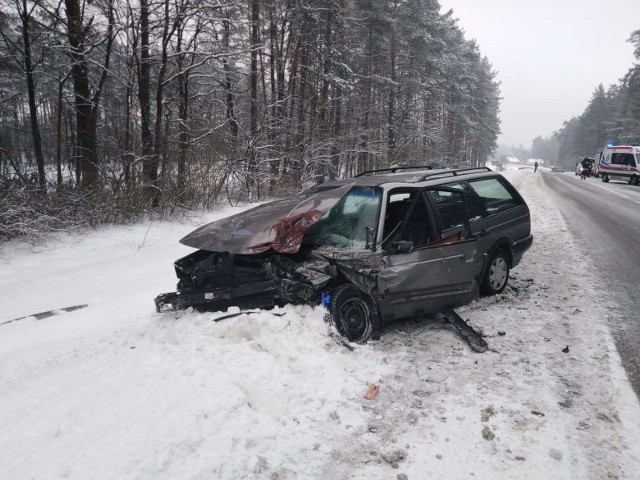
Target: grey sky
column 550, row 55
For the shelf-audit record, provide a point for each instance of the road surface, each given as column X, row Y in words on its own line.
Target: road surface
column 605, row 218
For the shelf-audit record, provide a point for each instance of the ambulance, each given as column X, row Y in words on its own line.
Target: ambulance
column 619, row 162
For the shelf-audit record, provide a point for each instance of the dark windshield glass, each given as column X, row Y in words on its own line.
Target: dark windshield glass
column 346, row 223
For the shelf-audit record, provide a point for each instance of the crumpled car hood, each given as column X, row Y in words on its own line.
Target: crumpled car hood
column 278, row 225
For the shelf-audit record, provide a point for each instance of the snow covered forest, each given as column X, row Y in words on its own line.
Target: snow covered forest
column 113, row 109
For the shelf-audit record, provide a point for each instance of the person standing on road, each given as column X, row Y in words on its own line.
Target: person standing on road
column 535, row 167
column 586, row 167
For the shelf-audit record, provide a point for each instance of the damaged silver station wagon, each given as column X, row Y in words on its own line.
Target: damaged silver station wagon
column 385, row 245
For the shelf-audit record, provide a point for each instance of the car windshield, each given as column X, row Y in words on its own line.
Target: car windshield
column 345, row 225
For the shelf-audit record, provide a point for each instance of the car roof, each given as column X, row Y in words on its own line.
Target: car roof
column 418, row 176
column 633, row 148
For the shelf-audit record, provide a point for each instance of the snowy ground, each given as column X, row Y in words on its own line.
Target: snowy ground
column 116, row 391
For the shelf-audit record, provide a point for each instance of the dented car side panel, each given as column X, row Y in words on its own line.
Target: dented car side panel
column 429, row 280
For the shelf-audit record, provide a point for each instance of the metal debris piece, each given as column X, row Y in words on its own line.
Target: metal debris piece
column 48, row 313
column 474, row 340
column 246, row 312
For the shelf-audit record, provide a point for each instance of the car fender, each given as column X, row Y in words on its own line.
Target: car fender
column 504, row 243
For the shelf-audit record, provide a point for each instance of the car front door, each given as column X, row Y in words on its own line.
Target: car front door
column 425, row 268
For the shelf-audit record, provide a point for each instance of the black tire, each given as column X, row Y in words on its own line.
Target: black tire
column 633, row 180
column 496, row 275
column 605, row 177
column 354, row 313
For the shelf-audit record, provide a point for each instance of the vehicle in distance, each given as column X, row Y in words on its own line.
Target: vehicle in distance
column 620, row 162
column 584, row 166
column 385, row 245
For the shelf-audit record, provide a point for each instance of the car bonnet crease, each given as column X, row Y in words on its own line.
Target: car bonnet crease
column 278, row 225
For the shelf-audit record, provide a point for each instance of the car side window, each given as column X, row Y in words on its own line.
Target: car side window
column 417, row 227
column 475, row 204
column 623, row 159
column 398, row 204
column 493, row 195
column 450, row 207
column 407, row 218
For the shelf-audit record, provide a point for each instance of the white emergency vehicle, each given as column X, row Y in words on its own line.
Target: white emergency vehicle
column 619, row 162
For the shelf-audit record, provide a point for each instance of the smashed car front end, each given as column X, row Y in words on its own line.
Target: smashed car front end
column 213, row 281
column 288, row 251
column 218, row 280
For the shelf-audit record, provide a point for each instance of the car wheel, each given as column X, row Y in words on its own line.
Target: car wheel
column 633, row 180
column 497, row 274
column 605, row 177
column 353, row 312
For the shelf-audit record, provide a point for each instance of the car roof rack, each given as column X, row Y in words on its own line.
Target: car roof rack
column 456, row 172
column 393, row 170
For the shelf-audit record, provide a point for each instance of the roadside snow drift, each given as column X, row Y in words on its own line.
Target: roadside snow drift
column 115, row 390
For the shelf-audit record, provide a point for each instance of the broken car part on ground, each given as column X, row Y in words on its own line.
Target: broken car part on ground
column 387, row 244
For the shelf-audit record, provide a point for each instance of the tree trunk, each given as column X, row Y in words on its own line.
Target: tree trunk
column 334, row 168
column 183, row 110
column 86, row 106
column 25, row 16
column 59, row 134
column 149, row 162
column 391, row 129
column 363, row 155
column 85, row 121
column 158, row 147
column 231, row 116
column 183, row 133
column 297, row 167
column 127, row 157
column 253, row 86
column 320, row 167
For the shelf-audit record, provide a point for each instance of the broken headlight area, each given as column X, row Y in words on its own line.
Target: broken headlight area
column 211, row 281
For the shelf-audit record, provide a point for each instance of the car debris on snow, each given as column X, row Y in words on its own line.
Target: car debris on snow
column 47, row 314
column 372, row 392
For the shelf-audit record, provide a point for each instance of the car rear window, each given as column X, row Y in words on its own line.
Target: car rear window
column 493, row 196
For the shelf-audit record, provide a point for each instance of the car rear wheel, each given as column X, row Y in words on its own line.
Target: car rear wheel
column 633, row 180
column 605, row 177
column 497, row 274
column 353, row 312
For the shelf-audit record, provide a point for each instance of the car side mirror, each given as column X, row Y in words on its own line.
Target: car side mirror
column 403, row 246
